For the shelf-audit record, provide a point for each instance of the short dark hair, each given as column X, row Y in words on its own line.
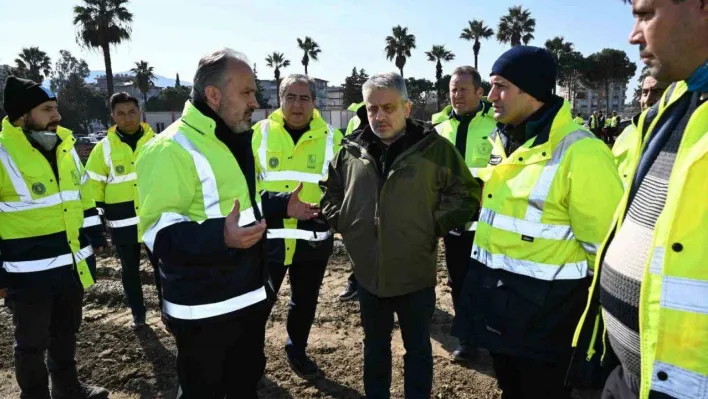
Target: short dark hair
column 213, row 70
column 122, row 98
column 470, row 71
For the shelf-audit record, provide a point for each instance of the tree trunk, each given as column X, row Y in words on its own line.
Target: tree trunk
column 145, row 103
column 277, row 87
column 109, row 68
column 401, row 69
column 607, row 98
column 438, row 78
column 476, row 54
column 306, row 70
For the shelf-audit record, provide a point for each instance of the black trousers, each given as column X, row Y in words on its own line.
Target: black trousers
column 46, row 325
column 521, row 378
column 415, row 314
column 457, row 258
column 305, row 282
column 616, row 387
column 352, row 279
column 458, row 250
column 129, row 256
column 224, row 359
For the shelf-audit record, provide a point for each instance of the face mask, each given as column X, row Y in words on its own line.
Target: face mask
column 46, row 139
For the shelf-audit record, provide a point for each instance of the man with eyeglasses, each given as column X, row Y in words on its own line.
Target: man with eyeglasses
column 293, row 148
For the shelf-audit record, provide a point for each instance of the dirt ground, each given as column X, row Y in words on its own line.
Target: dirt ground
column 141, row 364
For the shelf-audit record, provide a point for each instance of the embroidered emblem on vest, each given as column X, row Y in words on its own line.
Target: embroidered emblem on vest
column 311, row 161
column 38, row 188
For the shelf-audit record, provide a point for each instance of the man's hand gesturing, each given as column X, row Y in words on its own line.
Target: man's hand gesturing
column 241, row 237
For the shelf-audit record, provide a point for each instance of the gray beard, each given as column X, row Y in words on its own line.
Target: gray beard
column 45, row 139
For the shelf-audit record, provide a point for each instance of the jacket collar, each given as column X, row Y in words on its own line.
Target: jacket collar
column 204, row 124
column 148, row 134
column 147, row 130
column 448, row 112
column 354, row 107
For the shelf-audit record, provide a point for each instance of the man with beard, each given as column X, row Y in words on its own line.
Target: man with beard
column 49, row 228
column 203, row 213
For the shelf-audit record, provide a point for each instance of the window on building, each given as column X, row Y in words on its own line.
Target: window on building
column 160, row 127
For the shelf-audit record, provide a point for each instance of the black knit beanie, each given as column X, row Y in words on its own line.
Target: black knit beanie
column 21, row 95
column 531, row 69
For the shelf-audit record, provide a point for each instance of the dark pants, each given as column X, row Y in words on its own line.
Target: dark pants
column 305, row 281
column 521, row 378
column 616, row 387
column 225, row 359
column 458, row 250
column 46, row 325
column 352, row 280
column 129, row 256
column 415, row 313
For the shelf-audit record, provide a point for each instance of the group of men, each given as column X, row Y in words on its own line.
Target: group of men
column 601, row 126
column 572, row 266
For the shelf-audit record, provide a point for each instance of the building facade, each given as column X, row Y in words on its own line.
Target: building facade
column 335, row 98
column 587, row 100
column 270, row 92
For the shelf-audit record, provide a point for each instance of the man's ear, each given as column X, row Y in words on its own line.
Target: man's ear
column 20, row 122
column 213, row 96
column 408, row 107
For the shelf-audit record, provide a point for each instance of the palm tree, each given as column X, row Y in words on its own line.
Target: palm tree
column 277, row 61
column 516, row 27
column 100, row 23
column 561, row 51
column 311, row 49
column 399, row 46
column 437, row 55
column 476, row 31
column 144, row 78
column 34, row 64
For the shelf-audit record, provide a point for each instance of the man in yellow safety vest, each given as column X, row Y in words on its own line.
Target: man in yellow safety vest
column 546, row 207
column 203, row 215
column 293, row 146
column 49, row 229
column 627, row 142
column 111, row 167
column 651, row 283
column 467, row 123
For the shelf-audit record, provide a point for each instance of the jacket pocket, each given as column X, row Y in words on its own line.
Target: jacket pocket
column 510, row 303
